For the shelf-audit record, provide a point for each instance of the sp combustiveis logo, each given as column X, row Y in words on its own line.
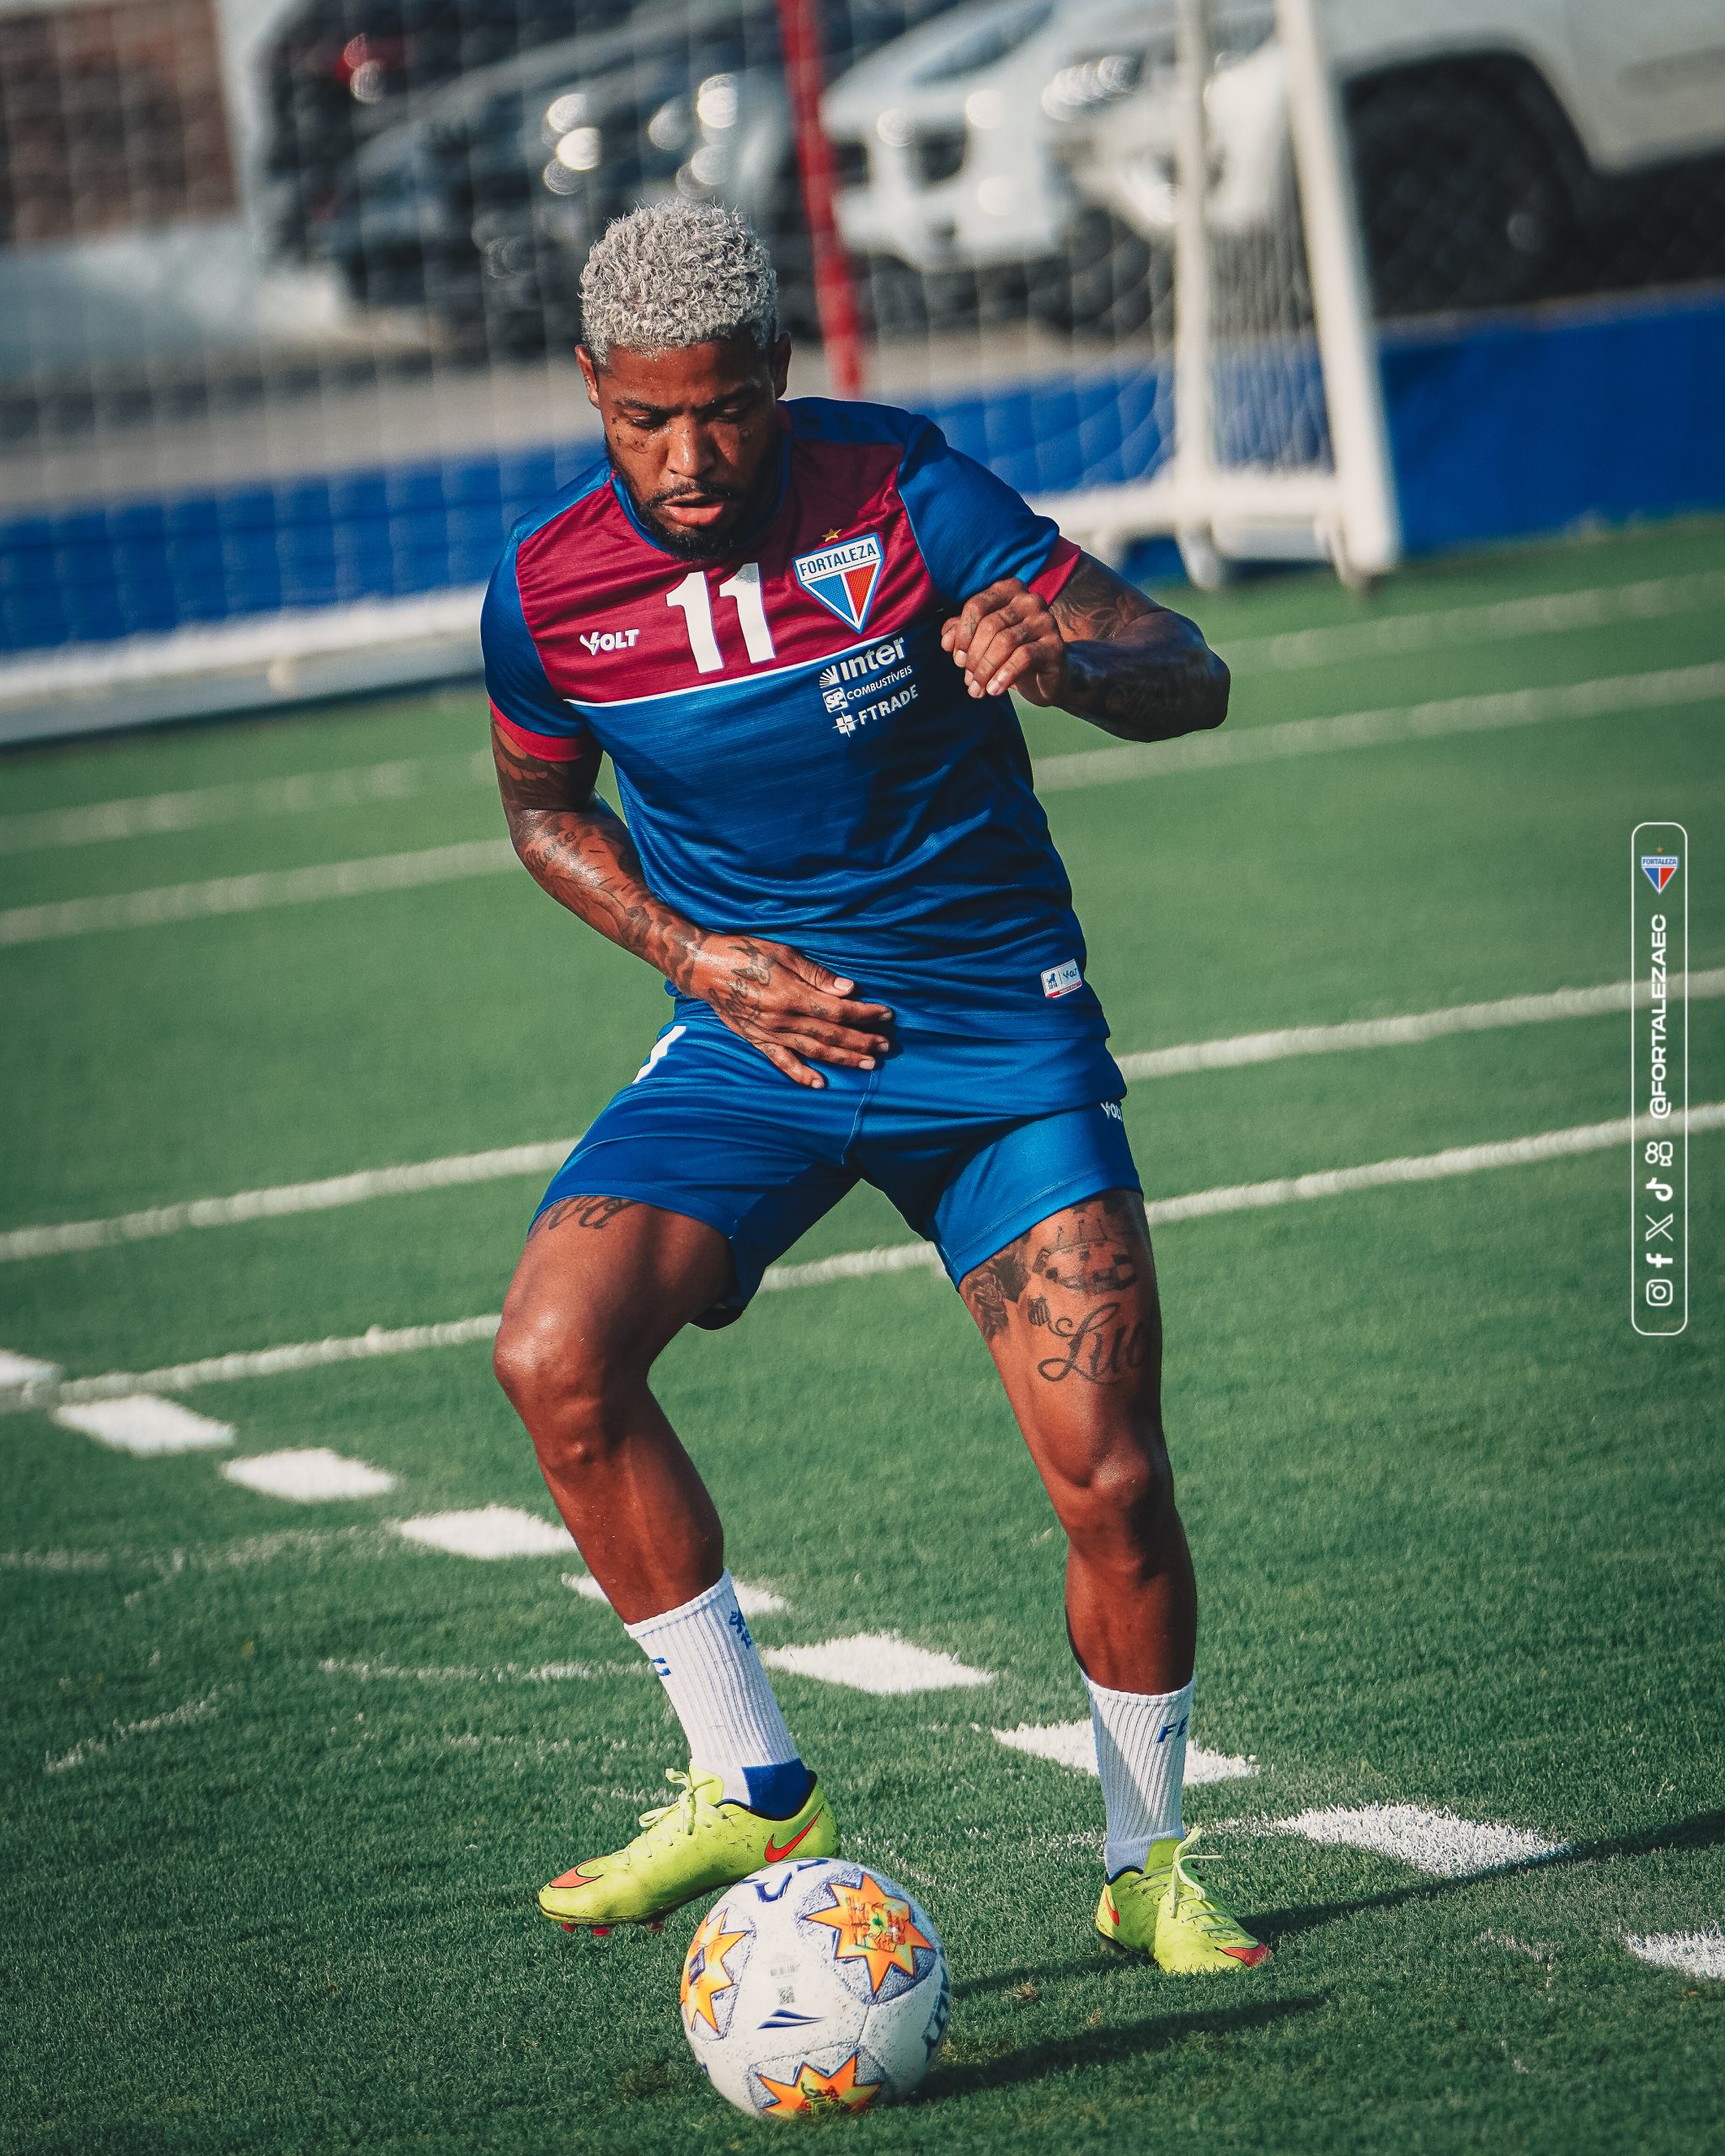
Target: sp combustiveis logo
column 843, row 578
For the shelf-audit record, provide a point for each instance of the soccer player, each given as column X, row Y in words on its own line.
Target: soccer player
column 793, row 626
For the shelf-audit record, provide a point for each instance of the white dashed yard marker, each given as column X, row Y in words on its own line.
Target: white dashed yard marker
column 18, row 1370
column 1073, row 1744
column 308, row 1474
column 877, row 1662
column 140, row 1423
column 1689, row 1953
column 752, row 1601
column 493, row 1531
column 1434, row 1842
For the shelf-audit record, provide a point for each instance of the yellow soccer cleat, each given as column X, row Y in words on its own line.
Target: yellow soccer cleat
column 1163, row 1912
column 693, row 1846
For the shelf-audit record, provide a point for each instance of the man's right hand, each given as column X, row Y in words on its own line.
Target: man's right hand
column 786, row 1006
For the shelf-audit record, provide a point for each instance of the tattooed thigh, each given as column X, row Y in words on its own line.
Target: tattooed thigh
column 582, row 1213
column 1076, row 1295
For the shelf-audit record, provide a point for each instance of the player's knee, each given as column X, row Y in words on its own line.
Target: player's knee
column 1124, row 1506
column 557, row 1379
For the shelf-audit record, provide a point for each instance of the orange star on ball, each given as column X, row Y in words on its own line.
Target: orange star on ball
column 814, row 2091
column 704, row 1972
column 873, row 1926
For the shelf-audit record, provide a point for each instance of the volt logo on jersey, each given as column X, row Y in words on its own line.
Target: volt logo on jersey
column 1659, row 868
column 843, row 578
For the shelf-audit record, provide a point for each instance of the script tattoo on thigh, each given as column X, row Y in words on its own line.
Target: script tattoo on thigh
column 583, row 1213
column 1096, row 1252
column 1101, row 1348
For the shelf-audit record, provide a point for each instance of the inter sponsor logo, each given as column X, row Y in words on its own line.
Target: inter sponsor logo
column 843, row 579
column 860, row 663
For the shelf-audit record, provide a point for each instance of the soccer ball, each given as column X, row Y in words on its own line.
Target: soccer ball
column 815, row 1986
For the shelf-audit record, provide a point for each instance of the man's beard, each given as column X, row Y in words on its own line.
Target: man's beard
column 713, row 544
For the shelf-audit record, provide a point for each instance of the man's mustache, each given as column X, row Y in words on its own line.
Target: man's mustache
column 700, row 496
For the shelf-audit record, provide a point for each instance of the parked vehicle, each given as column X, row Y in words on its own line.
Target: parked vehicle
column 484, row 204
column 943, row 145
column 337, row 73
column 1504, row 150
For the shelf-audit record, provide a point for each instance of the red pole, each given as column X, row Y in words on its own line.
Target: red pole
column 834, row 301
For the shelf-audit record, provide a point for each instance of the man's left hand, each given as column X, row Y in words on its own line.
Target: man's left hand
column 1006, row 638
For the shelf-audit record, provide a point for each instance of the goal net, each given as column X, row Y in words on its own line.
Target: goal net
column 288, row 291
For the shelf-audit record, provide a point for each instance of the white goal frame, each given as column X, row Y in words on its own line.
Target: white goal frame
column 1346, row 513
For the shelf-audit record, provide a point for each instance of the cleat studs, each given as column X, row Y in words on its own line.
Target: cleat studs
column 567, row 1927
column 600, row 1930
column 656, row 1925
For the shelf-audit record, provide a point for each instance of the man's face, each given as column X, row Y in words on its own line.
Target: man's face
column 692, row 433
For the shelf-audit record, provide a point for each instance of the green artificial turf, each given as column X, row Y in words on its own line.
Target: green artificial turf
column 277, row 1784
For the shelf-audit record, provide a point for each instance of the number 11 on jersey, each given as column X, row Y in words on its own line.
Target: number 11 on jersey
column 744, row 589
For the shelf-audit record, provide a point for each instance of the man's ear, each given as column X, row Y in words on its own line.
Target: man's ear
column 590, row 373
column 781, row 366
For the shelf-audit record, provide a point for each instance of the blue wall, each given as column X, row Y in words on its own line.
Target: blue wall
column 1500, row 428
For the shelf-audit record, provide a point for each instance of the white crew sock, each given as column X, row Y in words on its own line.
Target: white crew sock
column 712, row 1676
column 1140, row 1750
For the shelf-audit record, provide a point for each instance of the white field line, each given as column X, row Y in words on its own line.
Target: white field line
column 285, row 1200
column 856, row 1265
column 507, row 1673
column 122, row 1733
column 880, row 1663
column 1434, row 1842
column 1496, row 621
column 256, row 893
column 307, row 1475
column 492, row 1532
column 1404, row 1031
column 1668, row 690
column 147, row 815
column 1689, row 1953
column 144, row 1425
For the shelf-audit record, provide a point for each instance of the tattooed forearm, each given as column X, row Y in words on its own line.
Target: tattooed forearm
column 1133, row 668
column 575, row 846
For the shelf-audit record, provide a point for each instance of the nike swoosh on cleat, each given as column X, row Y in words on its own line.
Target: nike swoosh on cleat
column 776, row 1852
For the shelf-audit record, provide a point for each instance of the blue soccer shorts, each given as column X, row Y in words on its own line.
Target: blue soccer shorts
column 710, row 1129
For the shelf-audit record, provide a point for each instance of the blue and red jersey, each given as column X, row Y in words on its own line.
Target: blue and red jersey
column 796, row 755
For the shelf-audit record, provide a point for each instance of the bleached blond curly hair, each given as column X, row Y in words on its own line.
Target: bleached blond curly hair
column 677, row 273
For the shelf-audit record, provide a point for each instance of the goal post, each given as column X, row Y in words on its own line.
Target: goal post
column 1288, row 311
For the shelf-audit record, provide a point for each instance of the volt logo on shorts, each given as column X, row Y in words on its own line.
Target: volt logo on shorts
column 661, row 1048
column 843, row 578
column 1061, row 980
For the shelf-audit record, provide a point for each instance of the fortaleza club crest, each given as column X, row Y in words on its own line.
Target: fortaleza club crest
column 1659, row 868
column 843, row 578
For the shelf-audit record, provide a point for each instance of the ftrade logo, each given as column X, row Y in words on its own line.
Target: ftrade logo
column 1659, row 868
column 843, row 578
